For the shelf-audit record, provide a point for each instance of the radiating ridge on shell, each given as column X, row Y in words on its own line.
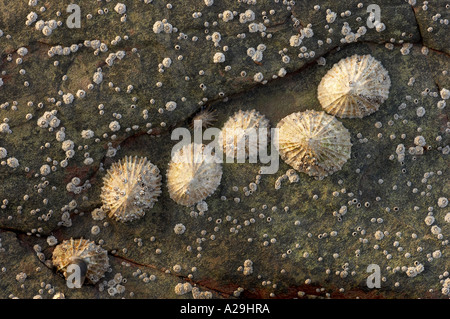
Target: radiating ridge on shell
column 81, row 252
column 354, row 87
column 193, row 174
column 130, row 186
column 313, row 142
column 238, row 132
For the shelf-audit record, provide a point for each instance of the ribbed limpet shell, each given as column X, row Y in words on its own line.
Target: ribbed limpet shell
column 313, row 142
column 130, row 186
column 91, row 258
column 193, row 174
column 354, row 87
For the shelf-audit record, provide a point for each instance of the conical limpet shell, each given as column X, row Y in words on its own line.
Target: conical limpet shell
column 238, row 131
column 91, row 258
column 130, row 186
column 354, row 87
column 313, row 142
column 193, row 174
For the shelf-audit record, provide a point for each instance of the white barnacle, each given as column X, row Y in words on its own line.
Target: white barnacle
column 219, row 57
column 67, row 145
column 114, row 126
column 158, row 27
column 45, row 170
column 68, row 98
column 295, row 40
column 120, row 8
column 171, row 106
column 216, row 37
column 253, row 27
column 445, row 93
column 87, row 134
column 21, row 277
column 22, row 51
column 74, row 48
column 181, row 289
column 4, row 128
column 261, row 47
column 251, row 52
column 429, row 220
column 81, row 94
column 167, row 27
column 419, row 141
column 379, row 235
column 95, row 230
column 440, row 105
column 447, row 218
column 249, row 15
column 52, row 241
column 98, row 77
column 167, row 62
column 227, row 15
column 442, row 202
column 258, row 77
column 31, row 17
column 98, row 214
column 411, row 272
column 282, row 72
column 307, row 32
column 286, row 59
column 435, row 230
column 120, row 54
column 346, row 29
column 47, row 31
column 257, row 56
column 420, row 112
column 12, row 162
column 179, row 229
column 53, row 24
column 60, row 136
column 331, row 16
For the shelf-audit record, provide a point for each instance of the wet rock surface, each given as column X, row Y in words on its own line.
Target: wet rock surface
column 307, row 238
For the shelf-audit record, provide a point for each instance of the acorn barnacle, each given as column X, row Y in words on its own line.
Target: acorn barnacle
column 193, row 174
column 354, row 87
column 129, row 187
column 313, row 142
column 241, row 132
column 91, row 259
